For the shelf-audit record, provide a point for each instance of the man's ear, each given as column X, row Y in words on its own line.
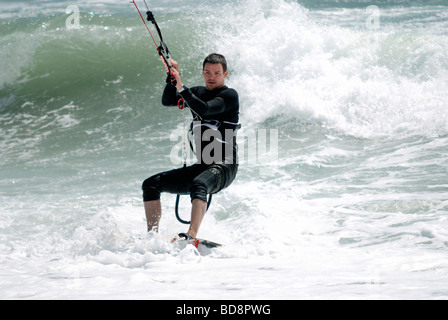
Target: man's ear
column 226, row 74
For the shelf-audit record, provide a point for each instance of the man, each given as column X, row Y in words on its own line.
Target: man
column 215, row 110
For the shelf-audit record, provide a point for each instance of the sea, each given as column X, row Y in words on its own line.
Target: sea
column 342, row 189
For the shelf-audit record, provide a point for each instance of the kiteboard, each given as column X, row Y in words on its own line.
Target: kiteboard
column 198, row 243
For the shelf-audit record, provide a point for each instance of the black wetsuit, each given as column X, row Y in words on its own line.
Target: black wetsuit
column 216, row 116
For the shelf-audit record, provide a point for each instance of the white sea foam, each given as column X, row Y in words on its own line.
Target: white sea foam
column 362, row 82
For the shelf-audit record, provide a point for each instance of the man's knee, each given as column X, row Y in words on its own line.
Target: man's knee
column 198, row 190
column 151, row 188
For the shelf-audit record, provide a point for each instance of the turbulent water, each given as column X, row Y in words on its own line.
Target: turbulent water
column 342, row 190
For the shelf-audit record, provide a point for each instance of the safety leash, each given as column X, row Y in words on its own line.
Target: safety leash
column 181, row 104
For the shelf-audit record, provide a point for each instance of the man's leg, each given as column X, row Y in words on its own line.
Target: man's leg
column 153, row 211
column 198, row 209
column 202, row 185
column 174, row 181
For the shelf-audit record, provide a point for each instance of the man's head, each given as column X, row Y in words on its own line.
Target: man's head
column 215, row 71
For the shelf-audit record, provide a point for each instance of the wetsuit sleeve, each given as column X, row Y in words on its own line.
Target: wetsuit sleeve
column 170, row 96
column 224, row 101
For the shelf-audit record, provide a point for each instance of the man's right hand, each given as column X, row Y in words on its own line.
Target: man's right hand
column 175, row 65
column 176, row 74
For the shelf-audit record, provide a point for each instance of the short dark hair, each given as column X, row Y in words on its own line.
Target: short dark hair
column 216, row 58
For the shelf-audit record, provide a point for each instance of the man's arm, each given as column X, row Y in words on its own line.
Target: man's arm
column 225, row 101
column 170, row 96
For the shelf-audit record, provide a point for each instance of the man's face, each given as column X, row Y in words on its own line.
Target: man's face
column 214, row 76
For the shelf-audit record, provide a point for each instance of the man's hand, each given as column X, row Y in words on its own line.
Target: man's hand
column 175, row 64
column 176, row 74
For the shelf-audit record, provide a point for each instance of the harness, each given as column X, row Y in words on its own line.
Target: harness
column 199, row 122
